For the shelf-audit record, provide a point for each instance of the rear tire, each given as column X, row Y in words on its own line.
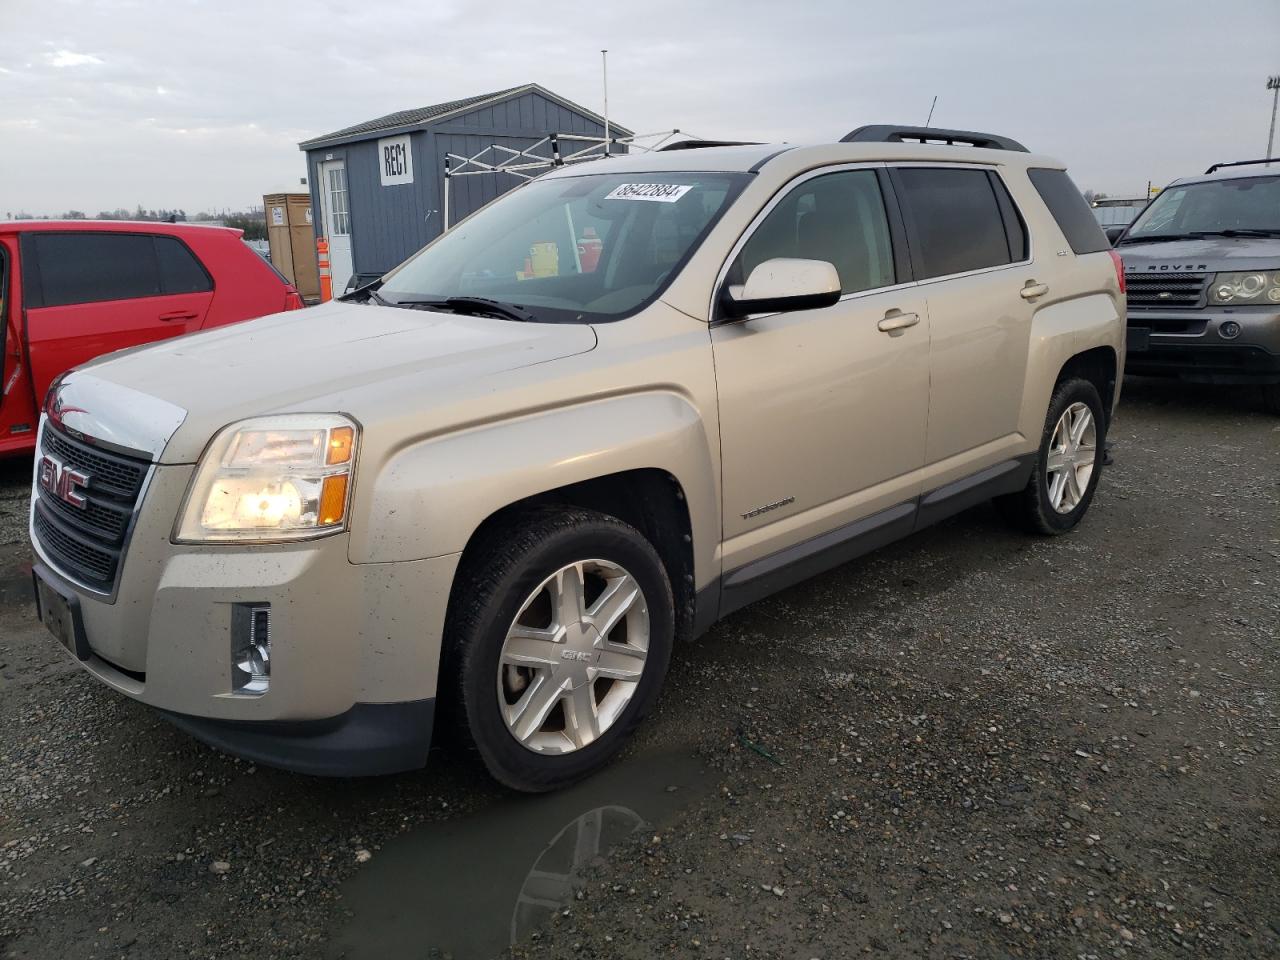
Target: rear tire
column 560, row 630
column 1066, row 470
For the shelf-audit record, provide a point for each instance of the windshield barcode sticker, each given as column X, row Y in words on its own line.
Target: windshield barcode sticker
column 659, row 192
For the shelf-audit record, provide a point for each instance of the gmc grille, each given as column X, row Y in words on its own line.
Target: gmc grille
column 87, row 544
column 1166, row 289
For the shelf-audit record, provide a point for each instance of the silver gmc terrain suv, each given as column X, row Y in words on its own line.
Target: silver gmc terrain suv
column 496, row 486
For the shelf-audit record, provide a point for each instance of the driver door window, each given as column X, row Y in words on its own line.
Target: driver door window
column 837, row 217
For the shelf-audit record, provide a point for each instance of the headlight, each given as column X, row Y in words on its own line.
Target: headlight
column 1253, row 287
column 286, row 477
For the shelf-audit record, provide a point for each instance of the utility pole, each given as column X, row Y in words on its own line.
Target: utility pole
column 604, row 70
column 1273, row 84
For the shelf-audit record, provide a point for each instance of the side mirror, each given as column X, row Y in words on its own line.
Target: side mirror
column 1114, row 233
column 784, row 284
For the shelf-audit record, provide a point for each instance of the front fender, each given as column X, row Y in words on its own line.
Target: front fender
column 430, row 496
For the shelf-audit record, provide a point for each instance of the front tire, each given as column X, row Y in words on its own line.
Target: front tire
column 561, row 627
column 1068, row 464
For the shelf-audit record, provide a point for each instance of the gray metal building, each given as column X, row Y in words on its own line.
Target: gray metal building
column 378, row 186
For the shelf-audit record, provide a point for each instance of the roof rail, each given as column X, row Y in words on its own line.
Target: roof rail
column 1242, row 163
column 699, row 144
column 888, row 133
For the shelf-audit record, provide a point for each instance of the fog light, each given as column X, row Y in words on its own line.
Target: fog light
column 250, row 648
column 1229, row 330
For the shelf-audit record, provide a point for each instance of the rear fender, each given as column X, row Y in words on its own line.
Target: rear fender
column 1059, row 332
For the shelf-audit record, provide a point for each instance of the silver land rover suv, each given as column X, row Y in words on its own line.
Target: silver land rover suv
column 1203, row 271
column 495, row 487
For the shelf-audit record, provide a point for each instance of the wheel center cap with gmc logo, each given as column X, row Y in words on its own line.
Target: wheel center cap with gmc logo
column 580, row 652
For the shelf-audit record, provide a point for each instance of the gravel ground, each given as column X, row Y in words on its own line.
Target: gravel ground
column 971, row 744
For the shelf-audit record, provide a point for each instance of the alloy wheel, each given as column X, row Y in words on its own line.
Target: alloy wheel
column 1073, row 453
column 574, row 656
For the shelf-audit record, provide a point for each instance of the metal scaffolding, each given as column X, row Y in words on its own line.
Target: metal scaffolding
column 526, row 164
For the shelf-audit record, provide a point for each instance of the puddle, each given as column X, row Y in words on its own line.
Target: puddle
column 470, row 888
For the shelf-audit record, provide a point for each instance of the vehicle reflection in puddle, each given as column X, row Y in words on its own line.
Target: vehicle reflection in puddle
column 468, row 889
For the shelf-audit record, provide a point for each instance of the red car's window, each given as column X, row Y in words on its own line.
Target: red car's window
column 88, row 267
column 180, row 271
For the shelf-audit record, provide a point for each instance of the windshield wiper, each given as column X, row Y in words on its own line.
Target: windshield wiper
column 1201, row 235
column 1238, row 232
column 476, row 306
column 367, row 293
column 1158, row 238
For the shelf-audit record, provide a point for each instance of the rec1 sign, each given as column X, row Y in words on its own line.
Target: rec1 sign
column 395, row 160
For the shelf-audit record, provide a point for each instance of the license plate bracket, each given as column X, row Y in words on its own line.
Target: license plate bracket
column 1138, row 339
column 60, row 613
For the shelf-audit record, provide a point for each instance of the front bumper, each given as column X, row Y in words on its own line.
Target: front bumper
column 368, row 740
column 355, row 648
column 1192, row 345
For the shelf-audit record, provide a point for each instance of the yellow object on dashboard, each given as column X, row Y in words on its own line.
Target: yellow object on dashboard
column 545, row 258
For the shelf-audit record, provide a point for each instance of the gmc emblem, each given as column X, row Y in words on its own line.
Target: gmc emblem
column 63, row 482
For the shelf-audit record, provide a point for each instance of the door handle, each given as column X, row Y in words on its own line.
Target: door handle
column 177, row 315
column 1031, row 290
column 897, row 320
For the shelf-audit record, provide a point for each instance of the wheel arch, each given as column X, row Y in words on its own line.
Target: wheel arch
column 649, row 499
column 1098, row 366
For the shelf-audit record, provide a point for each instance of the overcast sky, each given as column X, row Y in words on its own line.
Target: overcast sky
column 200, row 104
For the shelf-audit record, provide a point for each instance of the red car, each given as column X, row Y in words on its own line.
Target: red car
column 71, row 290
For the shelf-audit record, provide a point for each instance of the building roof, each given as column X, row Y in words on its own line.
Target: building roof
column 421, row 116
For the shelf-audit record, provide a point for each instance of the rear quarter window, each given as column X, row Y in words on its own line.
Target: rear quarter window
column 180, row 271
column 1069, row 208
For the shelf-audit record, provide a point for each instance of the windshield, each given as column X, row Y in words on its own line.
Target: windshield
column 570, row 249
column 1247, row 204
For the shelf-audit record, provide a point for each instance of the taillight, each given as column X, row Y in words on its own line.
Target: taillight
column 293, row 300
column 1116, row 259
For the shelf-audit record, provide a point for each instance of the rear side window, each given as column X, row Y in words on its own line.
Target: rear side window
column 71, row 268
column 838, row 217
column 1069, row 208
column 180, row 271
column 960, row 220
column 87, row 267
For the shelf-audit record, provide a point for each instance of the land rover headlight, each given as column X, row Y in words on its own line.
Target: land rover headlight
column 285, row 477
column 1255, row 286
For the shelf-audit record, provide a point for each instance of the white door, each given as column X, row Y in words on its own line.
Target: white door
column 337, row 221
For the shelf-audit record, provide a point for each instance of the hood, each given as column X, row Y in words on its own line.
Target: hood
column 295, row 360
column 1210, row 255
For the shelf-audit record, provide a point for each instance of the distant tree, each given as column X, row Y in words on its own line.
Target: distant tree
column 1092, row 195
column 74, row 215
column 254, row 229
